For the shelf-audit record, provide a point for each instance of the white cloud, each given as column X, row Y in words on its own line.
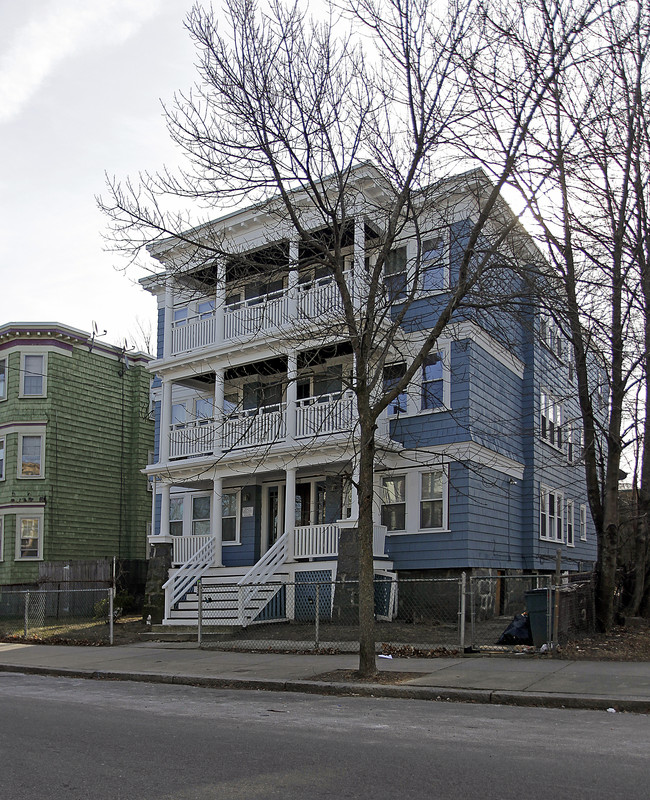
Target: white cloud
column 60, row 29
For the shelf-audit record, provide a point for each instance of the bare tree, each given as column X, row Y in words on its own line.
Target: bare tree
column 286, row 112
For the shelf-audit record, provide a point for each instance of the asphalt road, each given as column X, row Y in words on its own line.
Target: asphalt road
column 67, row 738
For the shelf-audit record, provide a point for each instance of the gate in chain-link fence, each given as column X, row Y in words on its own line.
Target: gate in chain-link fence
column 70, row 615
column 322, row 616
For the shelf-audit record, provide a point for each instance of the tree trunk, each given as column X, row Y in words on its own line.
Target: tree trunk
column 367, row 658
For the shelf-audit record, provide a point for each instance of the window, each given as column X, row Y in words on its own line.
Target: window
column 395, row 274
column 431, row 500
column 551, row 420
column 433, row 271
column 583, row 523
column 176, row 516
column 178, row 413
column 180, row 317
column 569, row 523
column 203, row 408
column 31, row 449
column 392, row 375
column 393, row 508
column 205, row 309
column 201, row 515
column 28, row 537
column 432, row 382
column 229, row 517
column 346, row 499
column 2, row 458
column 2, row 540
column 33, row 376
column 3, row 378
column 551, row 336
column 550, row 515
column 575, row 442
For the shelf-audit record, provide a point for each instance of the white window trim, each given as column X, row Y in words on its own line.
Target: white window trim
column 21, row 392
column 188, row 498
column 583, row 522
column 19, row 465
column 559, row 505
column 548, row 401
column 237, row 540
column 2, row 537
column 5, row 360
column 446, row 259
column 38, row 516
column 3, row 463
column 570, row 518
column 392, row 474
column 445, row 499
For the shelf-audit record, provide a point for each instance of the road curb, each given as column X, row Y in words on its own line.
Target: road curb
column 340, row 689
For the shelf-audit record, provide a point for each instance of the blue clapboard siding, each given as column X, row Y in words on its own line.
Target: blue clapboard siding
column 247, row 552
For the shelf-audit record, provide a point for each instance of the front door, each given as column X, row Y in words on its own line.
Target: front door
column 273, row 519
column 303, row 504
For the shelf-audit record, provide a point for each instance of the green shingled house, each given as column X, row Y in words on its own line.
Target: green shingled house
column 74, row 434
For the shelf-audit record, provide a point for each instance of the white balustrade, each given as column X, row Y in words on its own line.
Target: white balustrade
column 193, row 333
column 257, row 315
column 328, row 413
column 254, row 427
column 320, row 298
column 194, row 438
column 186, row 547
column 312, row 541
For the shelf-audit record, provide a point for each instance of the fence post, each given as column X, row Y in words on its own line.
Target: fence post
column 317, row 631
column 26, row 622
column 110, row 615
column 199, row 621
column 472, row 610
column 463, row 589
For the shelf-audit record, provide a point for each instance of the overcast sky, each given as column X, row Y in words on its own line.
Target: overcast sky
column 80, row 89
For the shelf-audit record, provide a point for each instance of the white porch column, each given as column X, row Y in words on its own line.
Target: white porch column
column 354, row 504
column 217, row 411
column 359, row 261
column 164, row 509
column 169, row 314
column 292, row 309
column 290, row 510
column 216, row 520
column 220, row 301
column 292, row 394
column 165, row 420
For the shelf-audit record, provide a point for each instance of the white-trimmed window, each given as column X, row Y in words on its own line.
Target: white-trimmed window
column 393, row 505
column 433, row 267
column 2, row 458
column 31, row 456
column 2, row 537
column 32, row 373
column 433, row 382
column 570, row 522
column 176, row 506
column 551, row 336
column 201, row 515
column 230, row 517
column 583, row 523
column 551, row 522
column 29, row 537
column 550, row 420
column 395, row 274
column 575, row 442
column 432, row 506
column 3, row 378
column 393, row 373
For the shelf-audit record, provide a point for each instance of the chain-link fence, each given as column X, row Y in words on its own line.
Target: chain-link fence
column 414, row 616
column 65, row 615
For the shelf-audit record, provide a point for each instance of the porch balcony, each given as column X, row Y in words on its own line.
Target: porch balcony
column 321, row 415
column 309, row 541
column 309, row 302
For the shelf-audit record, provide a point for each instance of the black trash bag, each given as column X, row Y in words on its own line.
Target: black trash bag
column 518, row 631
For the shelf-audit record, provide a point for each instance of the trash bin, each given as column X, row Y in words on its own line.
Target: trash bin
column 537, row 607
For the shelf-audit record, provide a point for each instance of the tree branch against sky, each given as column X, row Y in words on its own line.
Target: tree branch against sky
column 285, row 112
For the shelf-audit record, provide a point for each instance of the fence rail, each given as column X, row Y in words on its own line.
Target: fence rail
column 75, row 615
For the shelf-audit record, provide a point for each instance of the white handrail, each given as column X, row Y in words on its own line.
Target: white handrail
column 259, row 575
column 186, row 577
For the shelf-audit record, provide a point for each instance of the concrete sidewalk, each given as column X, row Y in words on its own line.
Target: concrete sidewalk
column 518, row 680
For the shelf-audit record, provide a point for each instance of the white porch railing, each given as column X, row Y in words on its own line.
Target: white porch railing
column 186, row 547
column 260, row 575
column 193, row 333
column 194, row 438
column 256, row 315
column 311, row 541
column 328, row 413
column 185, row 578
column 320, row 298
column 255, row 426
